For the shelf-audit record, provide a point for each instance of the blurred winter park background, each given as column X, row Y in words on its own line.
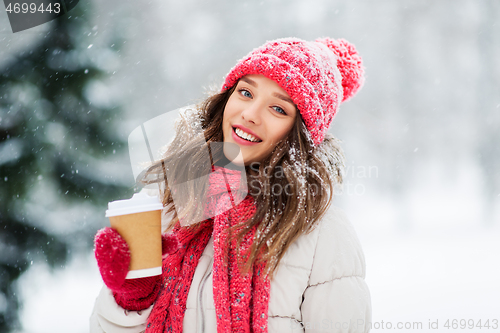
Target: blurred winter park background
column 421, row 138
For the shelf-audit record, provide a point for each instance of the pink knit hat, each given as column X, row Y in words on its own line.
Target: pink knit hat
column 317, row 75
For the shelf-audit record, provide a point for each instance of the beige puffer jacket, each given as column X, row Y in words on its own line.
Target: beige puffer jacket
column 318, row 287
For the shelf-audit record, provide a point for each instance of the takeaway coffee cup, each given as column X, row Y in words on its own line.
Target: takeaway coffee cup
column 138, row 221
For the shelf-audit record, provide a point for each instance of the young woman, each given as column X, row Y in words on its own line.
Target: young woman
column 260, row 248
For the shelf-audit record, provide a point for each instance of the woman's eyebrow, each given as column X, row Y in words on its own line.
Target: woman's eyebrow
column 285, row 98
column 249, row 81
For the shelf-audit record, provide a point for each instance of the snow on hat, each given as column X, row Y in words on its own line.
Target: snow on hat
column 317, row 75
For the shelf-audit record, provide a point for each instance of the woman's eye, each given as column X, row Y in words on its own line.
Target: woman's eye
column 280, row 110
column 245, row 93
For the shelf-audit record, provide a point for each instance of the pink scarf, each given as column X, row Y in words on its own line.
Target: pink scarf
column 241, row 300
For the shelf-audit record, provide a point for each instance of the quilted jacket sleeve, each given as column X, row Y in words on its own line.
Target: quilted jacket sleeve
column 337, row 298
column 108, row 316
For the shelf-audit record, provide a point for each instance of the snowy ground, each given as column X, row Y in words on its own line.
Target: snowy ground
column 434, row 276
column 61, row 301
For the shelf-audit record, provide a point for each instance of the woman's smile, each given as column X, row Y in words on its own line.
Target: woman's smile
column 243, row 136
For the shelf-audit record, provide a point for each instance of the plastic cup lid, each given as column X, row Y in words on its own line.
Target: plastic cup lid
column 139, row 203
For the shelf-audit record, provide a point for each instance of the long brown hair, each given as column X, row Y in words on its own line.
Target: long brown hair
column 292, row 188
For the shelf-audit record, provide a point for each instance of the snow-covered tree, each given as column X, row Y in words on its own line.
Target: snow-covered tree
column 57, row 126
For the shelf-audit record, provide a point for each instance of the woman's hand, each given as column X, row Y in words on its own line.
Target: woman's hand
column 113, row 259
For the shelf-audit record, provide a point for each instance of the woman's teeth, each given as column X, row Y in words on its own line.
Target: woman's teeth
column 245, row 135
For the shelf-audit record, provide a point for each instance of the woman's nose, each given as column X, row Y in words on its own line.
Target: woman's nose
column 252, row 113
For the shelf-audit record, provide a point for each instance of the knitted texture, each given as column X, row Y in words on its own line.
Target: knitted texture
column 138, row 294
column 241, row 300
column 169, row 243
column 317, row 75
column 113, row 259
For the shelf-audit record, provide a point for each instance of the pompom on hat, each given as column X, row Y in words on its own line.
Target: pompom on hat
column 317, row 75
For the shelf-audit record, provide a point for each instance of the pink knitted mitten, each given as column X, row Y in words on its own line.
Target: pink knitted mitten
column 113, row 258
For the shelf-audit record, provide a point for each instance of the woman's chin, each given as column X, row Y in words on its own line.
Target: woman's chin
column 233, row 155
column 238, row 160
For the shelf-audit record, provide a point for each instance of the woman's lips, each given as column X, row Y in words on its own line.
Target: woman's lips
column 242, row 141
column 247, row 130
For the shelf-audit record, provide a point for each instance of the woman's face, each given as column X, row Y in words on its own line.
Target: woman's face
column 258, row 114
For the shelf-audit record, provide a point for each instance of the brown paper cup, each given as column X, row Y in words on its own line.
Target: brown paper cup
column 142, row 232
column 138, row 221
